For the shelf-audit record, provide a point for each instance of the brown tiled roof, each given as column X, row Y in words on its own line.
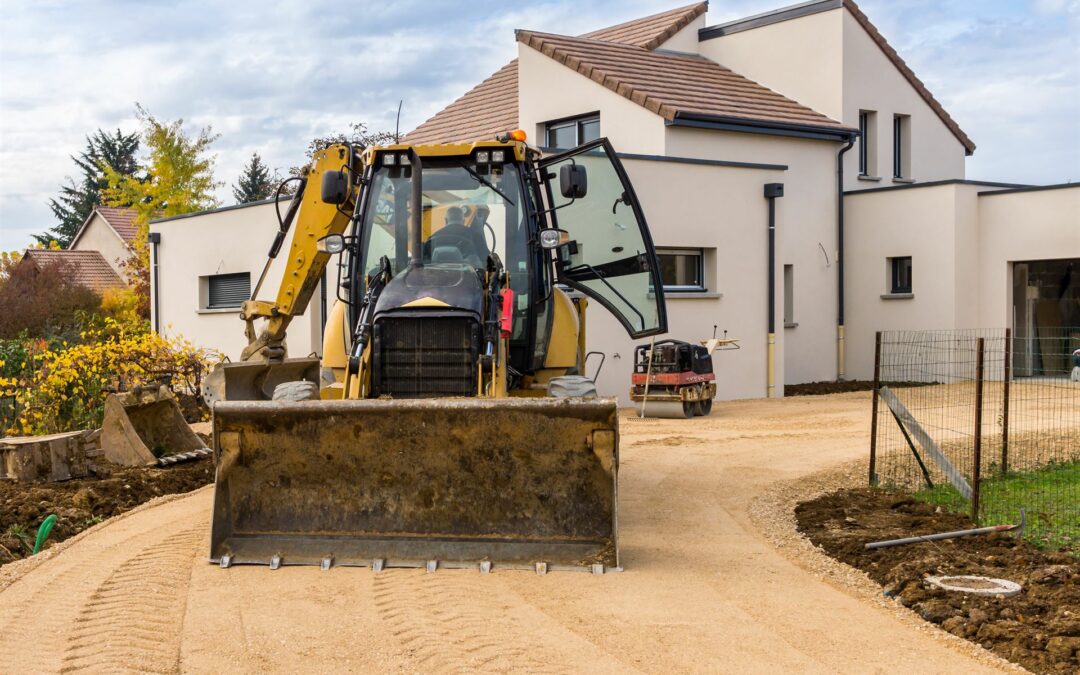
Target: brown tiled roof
column 669, row 84
column 121, row 219
column 492, row 106
column 879, row 39
column 89, row 268
column 651, row 31
column 488, row 108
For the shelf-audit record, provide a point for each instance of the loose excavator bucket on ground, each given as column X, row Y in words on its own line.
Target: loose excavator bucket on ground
column 452, row 482
column 145, row 427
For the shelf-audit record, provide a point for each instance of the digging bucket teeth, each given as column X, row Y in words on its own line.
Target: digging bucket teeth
column 455, row 482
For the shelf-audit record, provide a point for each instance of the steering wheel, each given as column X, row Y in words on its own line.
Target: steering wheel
column 463, row 244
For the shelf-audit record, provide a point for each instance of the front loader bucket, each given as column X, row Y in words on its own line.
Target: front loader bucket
column 527, row 482
column 145, row 427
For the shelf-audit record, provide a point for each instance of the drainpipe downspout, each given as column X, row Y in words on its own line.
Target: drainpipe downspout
column 772, row 191
column 154, row 238
column 840, row 348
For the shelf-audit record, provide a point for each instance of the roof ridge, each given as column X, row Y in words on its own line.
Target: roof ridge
column 680, row 17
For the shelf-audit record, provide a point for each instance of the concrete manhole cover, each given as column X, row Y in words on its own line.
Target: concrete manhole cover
column 976, row 585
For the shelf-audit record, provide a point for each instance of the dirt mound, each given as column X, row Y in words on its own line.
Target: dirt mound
column 1039, row 628
column 833, row 387
column 81, row 503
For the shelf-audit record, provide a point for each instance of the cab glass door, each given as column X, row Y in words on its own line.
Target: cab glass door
column 610, row 256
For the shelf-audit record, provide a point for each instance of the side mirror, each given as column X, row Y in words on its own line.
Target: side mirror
column 335, row 187
column 573, row 181
column 331, row 243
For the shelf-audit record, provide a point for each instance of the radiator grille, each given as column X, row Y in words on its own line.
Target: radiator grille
column 417, row 357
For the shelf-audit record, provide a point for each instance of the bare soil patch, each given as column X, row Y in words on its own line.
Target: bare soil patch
column 833, row 387
column 84, row 502
column 1038, row 629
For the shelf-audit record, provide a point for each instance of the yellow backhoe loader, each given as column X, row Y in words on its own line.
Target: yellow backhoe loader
column 449, row 422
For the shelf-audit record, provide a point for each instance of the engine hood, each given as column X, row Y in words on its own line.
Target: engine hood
column 435, row 287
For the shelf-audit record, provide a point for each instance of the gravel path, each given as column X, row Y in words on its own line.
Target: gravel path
column 715, row 580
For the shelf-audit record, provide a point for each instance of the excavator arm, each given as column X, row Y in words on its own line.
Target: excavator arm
column 314, row 220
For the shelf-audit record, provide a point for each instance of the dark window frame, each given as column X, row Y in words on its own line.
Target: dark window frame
column 864, row 142
column 235, row 299
column 897, row 273
column 576, row 122
column 699, row 253
column 900, row 161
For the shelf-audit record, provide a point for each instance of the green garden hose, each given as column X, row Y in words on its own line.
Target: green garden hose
column 43, row 532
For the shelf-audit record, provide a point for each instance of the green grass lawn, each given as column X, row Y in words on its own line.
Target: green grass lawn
column 1050, row 496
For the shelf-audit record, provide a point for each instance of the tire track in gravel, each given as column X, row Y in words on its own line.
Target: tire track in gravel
column 133, row 621
column 455, row 621
column 40, row 614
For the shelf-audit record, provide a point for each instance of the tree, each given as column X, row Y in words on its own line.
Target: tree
column 179, row 178
column 77, row 200
column 42, row 301
column 256, row 182
column 358, row 135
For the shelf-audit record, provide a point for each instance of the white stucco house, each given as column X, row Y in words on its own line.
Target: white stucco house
column 877, row 227
column 109, row 231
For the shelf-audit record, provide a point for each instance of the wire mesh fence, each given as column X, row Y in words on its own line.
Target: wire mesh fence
column 983, row 422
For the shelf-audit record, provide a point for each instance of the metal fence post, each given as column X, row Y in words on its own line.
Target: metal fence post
column 874, row 408
column 1005, row 403
column 977, row 470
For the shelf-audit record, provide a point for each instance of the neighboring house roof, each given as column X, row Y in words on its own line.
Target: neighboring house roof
column 89, row 268
column 671, row 84
column 491, row 107
column 916, row 83
column 120, row 219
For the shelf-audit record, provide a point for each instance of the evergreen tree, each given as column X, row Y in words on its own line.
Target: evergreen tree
column 256, row 182
column 76, row 201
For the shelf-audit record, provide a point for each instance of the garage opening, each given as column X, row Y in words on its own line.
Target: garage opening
column 1046, row 316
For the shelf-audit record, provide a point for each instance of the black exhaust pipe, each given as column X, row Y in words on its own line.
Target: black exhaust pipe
column 416, row 234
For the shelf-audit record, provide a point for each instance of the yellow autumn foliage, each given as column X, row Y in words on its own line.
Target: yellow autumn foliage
column 65, row 387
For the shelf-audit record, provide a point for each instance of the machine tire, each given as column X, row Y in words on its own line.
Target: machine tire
column 572, row 386
column 300, row 390
column 689, row 408
column 705, row 407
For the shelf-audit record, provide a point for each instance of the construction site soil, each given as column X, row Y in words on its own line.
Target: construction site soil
column 81, row 503
column 716, row 579
column 1039, row 628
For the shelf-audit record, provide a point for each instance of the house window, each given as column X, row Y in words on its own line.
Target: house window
column 789, row 296
column 682, row 269
column 227, row 290
column 570, row 133
column 900, row 275
column 866, row 142
column 901, row 146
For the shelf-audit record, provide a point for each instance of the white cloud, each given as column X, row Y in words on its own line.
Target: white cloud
column 269, row 76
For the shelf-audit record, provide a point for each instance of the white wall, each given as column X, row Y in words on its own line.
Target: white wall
column 806, row 238
column 550, row 90
column 222, row 242
column 799, row 58
column 962, row 245
column 1018, row 227
column 872, row 82
column 686, row 40
column 918, row 222
column 99, row 236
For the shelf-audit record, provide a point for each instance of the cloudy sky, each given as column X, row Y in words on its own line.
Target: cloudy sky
column 269, row 76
